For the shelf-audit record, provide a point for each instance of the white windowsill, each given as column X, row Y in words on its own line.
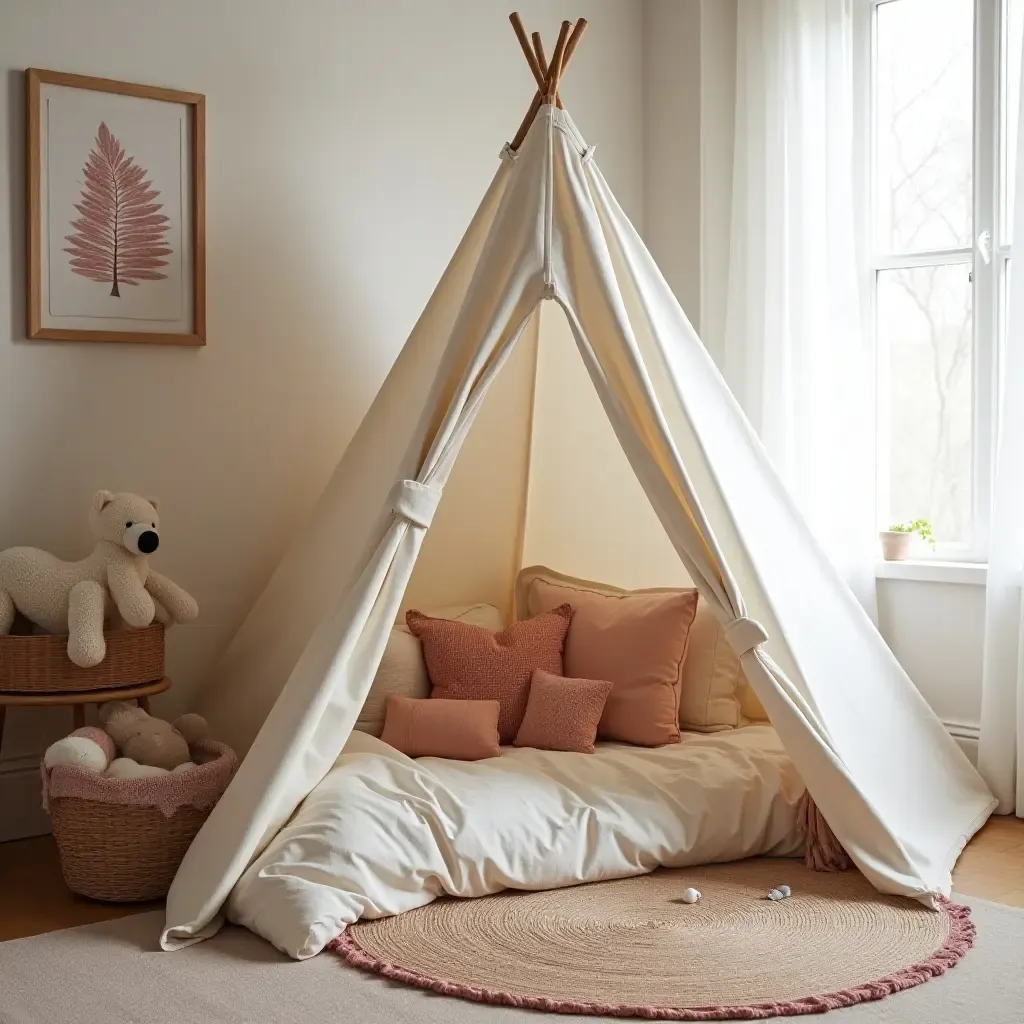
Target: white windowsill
column 928, row 570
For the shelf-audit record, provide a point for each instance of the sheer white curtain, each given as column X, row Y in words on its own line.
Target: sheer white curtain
column 794, row 351
column 1001, row 743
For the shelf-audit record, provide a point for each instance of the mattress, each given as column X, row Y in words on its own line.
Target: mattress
column 383, row 834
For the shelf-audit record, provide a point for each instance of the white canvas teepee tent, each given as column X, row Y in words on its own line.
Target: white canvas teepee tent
column 893, row 785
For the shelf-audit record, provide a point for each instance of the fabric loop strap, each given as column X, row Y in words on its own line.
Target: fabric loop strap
column 414, row 501
column 744, row 635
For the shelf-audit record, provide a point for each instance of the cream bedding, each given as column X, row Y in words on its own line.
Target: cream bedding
column 383, row 834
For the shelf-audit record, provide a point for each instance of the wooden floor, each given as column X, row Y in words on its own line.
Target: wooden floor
column 34, row 899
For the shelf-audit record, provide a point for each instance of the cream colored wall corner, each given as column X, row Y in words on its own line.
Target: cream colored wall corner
column 586, row 513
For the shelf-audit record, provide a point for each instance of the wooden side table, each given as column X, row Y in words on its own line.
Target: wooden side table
column 77, row 699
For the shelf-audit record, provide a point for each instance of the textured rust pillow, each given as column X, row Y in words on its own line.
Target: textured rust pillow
column 562, row 714
column 465, row 730
column 468, row 662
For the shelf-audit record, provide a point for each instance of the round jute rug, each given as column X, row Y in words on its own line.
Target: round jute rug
column 633, row 948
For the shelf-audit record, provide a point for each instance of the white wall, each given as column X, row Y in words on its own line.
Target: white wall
column 348, row 144
column 935, row 629
column 689, row 90
column 672, row 150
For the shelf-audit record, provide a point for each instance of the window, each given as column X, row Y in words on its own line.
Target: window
column 941, row 120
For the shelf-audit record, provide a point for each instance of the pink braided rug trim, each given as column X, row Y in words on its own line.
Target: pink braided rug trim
column 959, row 941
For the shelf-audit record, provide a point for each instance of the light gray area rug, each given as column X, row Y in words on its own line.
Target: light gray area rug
column 112, row 973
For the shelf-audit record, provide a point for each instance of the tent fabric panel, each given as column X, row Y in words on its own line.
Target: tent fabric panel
column 878, row 725
column 312, row 718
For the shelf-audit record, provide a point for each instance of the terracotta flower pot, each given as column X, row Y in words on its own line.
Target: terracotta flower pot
column 895, row 546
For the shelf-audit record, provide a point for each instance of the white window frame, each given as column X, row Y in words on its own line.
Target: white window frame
column 988, row 278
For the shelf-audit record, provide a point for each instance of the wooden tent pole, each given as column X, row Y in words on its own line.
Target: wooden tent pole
column 574, row 41
column 555, row 70
column 517, row 139
column 539, row 70
column 538, row 99
column 538, row 49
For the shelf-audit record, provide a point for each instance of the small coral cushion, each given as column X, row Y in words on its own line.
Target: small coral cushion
column 467, row 662
column 464, row 730
column 562, row 714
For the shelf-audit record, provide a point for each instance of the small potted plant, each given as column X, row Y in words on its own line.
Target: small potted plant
column 896, row 540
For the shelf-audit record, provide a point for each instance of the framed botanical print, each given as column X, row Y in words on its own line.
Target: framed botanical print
column 116, row 211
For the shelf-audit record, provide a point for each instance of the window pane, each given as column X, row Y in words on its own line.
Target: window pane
column 924, row 331
column 924, row 124
column 1013, row 40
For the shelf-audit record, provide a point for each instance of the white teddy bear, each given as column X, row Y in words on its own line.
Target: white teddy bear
column 76, row 597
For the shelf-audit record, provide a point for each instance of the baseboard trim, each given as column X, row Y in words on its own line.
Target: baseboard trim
column 966, row 734
column 21, row 799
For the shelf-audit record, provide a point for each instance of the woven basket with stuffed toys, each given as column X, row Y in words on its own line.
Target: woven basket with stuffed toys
column 123, row 823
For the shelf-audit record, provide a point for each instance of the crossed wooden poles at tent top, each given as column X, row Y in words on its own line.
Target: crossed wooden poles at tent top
column 547, row 75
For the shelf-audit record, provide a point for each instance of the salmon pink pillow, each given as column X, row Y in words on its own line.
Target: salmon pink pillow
column 464, row 730
column 636, row 640
column 467, row 662
column 562, row 714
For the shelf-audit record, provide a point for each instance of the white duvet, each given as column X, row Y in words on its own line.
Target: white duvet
column 383, row 833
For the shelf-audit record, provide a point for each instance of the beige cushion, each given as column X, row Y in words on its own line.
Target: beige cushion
column 714, row 693
column 402, row 669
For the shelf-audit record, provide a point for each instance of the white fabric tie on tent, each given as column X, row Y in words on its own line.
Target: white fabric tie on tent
column 415, row 502
column 893, row 785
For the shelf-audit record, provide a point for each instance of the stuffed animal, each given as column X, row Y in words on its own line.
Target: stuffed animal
column 151, row 741
column 150, row 746
column 89, row 747
column 126, row 768
column 77, row 597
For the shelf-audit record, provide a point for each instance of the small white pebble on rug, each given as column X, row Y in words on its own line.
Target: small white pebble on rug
column 785, row 890
column 776, row 894
column 690, row 895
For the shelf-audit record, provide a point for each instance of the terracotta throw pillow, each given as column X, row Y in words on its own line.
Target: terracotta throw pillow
column 468, row 662
column 562, row 714
column 638, row 641
column 464, row 730
column 403, row 671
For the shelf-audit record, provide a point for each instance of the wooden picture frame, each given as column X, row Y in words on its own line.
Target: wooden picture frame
column 154, row 149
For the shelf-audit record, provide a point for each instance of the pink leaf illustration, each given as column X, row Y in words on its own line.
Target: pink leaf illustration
column 120, row 234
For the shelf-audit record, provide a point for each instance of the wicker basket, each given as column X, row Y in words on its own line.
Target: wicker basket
column 121, row 853
column 126, row 852
column 40, row 664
